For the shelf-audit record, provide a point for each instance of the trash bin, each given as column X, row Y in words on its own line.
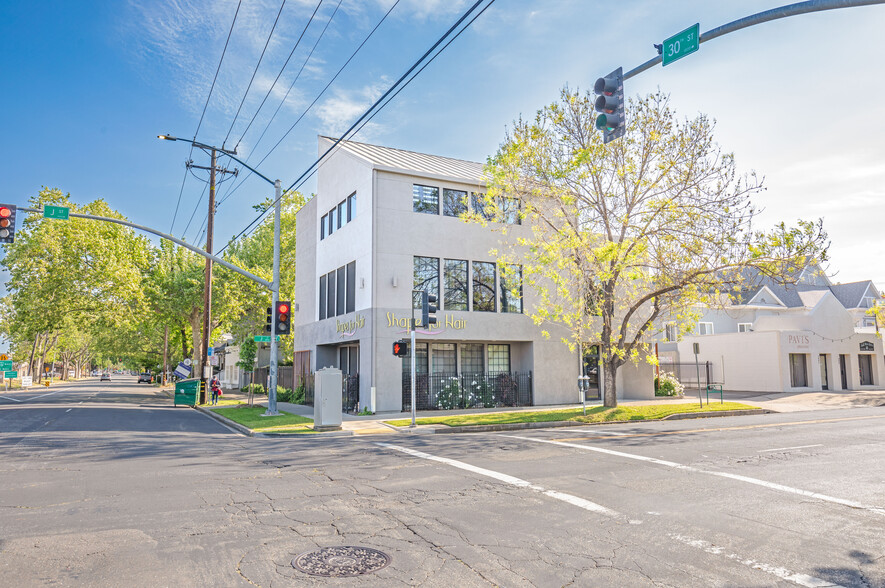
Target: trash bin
column 186, row 392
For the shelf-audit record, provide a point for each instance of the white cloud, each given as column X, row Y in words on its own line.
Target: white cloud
column 338, row 113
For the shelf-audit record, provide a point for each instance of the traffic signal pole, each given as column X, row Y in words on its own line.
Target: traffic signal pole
column 275, row 290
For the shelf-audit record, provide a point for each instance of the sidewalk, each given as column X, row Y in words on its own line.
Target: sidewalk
column 775, row 402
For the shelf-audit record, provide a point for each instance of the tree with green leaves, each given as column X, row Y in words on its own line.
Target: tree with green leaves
column 627, row 235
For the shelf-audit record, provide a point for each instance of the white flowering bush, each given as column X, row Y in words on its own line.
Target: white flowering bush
column 668, row 385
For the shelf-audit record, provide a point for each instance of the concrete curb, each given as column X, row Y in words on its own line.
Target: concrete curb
column 243, row 430
column 555, row 424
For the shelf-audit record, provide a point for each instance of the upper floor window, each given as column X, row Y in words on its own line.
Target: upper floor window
column 425, row 199
column 351, row 207
column 511, row 288
column 342, row 219
column 745, row 327
column 484, row 286
column 510, row 211
column 338, row 291
column 671, row 332
column 323, row 222
column 705, row 328
column 455, row 284
column 454, row 202
column 425, row 277
column 479, row 206
column 339, row 216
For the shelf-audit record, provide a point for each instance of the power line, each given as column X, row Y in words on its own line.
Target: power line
column 254, row 73
column 205, row 106
column 384, row 98
column 306, row 110
column 283, row 101
column 282, row 69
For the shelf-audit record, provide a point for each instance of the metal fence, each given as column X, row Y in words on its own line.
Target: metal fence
column 450, row 391
column 350, row 393
column 687, row 373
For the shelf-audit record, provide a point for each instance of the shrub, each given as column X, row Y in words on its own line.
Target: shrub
column 256, row 389
column 284, row 394
column 668, row 385
column 298, row 395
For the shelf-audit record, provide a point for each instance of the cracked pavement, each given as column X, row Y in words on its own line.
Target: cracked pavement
column 125, row 490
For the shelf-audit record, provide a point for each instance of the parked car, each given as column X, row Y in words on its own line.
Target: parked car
column 105, row 378
column 146, row 378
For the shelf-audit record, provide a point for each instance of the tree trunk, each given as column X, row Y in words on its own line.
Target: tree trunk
column 31, row 361
column 610, row 372
column 184, row 353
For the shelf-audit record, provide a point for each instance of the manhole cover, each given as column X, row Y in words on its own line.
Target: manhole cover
column 341, row 561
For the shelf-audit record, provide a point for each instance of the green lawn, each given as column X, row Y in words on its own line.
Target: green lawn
column 250, row 416
column 597, row 414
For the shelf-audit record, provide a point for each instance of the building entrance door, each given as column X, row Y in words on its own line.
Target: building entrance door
column 843, row 369
column 590, row 371
column 824, row 379
column 866, row 369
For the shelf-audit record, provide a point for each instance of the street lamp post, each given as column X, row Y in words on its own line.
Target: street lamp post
column 275, row 287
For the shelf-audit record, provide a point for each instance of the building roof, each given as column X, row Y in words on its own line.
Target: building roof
column 799, row 295
column 411, row 162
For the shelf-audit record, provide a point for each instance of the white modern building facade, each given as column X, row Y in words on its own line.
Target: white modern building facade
column 811, row 336
column 385, row 222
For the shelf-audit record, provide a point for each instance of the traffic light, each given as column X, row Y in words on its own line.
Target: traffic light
column 428, row 308
column 7, row 223
column 269, row 325
column 283, row 317
column 400, row 348
column 610, row 103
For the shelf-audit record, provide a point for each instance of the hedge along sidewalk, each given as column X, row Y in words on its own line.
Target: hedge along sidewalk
column 250, row 418
column 575, row 416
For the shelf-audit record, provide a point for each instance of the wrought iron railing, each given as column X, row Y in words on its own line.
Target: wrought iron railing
column 451, row 391
column 350, row 393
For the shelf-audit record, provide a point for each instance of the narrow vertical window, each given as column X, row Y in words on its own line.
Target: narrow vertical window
column 332, row 221
column 351, row 207
column 351, row 286
column 483, row 286
column 425, row 277
column 511, row 289
column 454, row 202
column 330, row 296
column 455, row 284
column 342, row 220
column 322, row 303
column 342, row 290
column 323, row 228
column 425, row 199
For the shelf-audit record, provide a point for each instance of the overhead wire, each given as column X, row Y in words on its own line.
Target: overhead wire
column 252, row 79
column 292, row 85
column 205, row 106
column 369, row 114
column 282, row 69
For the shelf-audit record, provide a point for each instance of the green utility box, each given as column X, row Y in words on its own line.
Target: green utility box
column 187, row 392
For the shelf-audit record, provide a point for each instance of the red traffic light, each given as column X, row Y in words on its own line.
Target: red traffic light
column 5, row 212
column 283, row 308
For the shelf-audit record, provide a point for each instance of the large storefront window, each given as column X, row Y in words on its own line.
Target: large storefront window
column 511, row 288
column 483, row 286
column 454, row 202
column 443, row 357
column 425, row 199
column 425, row 277
column 499, row 359
column 472, row 361
column 455, row 279
column 798, row 370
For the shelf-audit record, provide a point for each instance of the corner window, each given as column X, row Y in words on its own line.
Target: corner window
column 454, row 202
column 425, row 199
column 511, row 288
column 455, row 282
column 425, row 277
column 484, row 286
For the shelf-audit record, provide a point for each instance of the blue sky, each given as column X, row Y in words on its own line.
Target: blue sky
column 87, row 87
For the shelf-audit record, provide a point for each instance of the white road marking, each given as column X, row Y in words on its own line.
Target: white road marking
column 8, row 398
column 42, row 395
column 782, row 573
column 789, row 448
column 679, row 466
column 570, row 499
column 609, row 433
column 69, row 410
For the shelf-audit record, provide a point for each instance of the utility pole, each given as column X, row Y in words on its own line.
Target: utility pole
column 206, row 370
column 165, row 354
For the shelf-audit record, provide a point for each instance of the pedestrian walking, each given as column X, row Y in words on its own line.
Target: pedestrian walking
column 215, row 387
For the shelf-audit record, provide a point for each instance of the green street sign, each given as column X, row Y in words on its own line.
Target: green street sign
column 263, row 338
column 681, row 44
column 5, row 365
column 10, row 375
column 59, row 212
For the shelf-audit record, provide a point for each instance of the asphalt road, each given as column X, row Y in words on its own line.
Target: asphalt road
column 105, row 484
